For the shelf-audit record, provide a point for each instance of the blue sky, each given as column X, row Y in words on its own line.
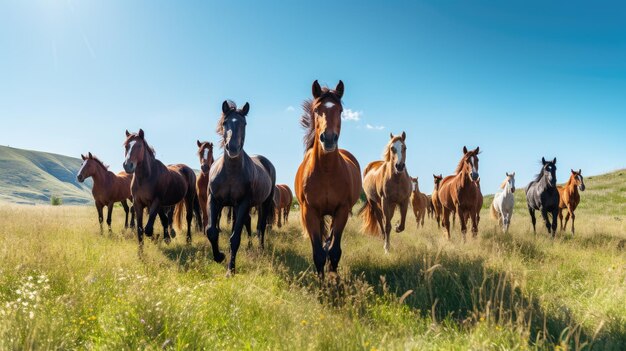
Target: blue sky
column 520, row 79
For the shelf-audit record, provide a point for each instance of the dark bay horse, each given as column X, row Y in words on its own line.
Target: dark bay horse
column 205, row 153
column 238, row 180
column 570, row 198
column 158, row 188
column 282, row 203
column 108, row 188
column 328, row 181
column 458, row 193
column 542, row 195
column 387, row 185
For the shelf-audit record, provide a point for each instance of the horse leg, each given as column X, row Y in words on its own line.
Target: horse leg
column 546, row 220
column 463, row 220
column 100, row 216
column 533, row 219
column 554, row 221
column 445, row 221
column 277, row 214
column 125, row 207
column 475, row 219
column 570, row 210
column 139, row 215
column 311, row 220
column 417, row 217
column 241, row 211
column 339, row 223
column 165, row 223
column 388, row 210
column 404, row 207
column 132, row 216
column 152, row 213
column 212, row 232
column 109, row 213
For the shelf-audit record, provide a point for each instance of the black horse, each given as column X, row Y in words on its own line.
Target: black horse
column 238, row 180
column 542, row 195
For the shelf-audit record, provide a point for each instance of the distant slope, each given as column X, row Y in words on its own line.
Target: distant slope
column 32, row 177
column 604, row 194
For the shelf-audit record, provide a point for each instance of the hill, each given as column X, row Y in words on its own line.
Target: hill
column 32, row 177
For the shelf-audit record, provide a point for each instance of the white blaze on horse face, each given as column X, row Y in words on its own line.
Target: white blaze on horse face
column 329, row 104
column 130, row 149
column 80, row 171
column 474, row 170
column 205, row 154
column 413, row 185
column 399, row 150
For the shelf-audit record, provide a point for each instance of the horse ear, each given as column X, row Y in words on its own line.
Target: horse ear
column 390, row 135
column 140, row 133
column 403, row 136
column 464, row 150
column 513, row 174
column 477, row 150
column 434, row 176
column 554, row 161
column 316, row 89
column 580, row 171
column 507, row 174
column 573, row 171
column 199, row 143
column 543, row 161
column 90, row 155
column 225, row 107
column 127, row 133
column 245, row 109
column 211, row 145
column 83, row 157
column 339, row 89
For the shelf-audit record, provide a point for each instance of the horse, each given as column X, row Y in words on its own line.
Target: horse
column 238, row 180
column 542, row 195
column 419, row 201
column 435, row 199
column 429, row 206
column 570, row 198
column 159, row 188
column 205, row 153
column 108, row 188
column 328, row 181
column 458, row 193
column 282, row 203
column 386, row 184
column 504, row 202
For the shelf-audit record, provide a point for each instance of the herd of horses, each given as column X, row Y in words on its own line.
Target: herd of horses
column 328, row 184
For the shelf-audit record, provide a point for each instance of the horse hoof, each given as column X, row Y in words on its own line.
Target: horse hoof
column 148, row 232
column 167, row 240
column 230, row 273
column 173, row 233
column 219, row 258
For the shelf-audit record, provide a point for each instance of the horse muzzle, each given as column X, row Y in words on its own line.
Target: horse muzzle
column 204, row 168
column 129, row 167
column 329, row 143
column 581, row 187
column 513, row 189
column 400, row 167
column 80, row 178
column 474, row 176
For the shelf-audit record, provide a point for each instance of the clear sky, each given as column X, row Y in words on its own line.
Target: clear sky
column 520, row 79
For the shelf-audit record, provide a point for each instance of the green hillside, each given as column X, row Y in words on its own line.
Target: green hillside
column 32, row 177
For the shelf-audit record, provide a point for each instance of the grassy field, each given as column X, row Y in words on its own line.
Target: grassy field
column 64, row 285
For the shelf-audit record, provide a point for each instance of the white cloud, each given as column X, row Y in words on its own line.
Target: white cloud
column 349, row 115
column 369, row 126
column 290, row 109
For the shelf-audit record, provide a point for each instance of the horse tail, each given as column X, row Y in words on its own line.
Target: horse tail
column 370, row 218
column 494, row 212
column 178, row 214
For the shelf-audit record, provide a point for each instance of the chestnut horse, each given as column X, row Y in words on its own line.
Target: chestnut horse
column 205, row 152
column 387, row 185
column 458, row 193
column 570, row 198
column 328, row 181
column 238, row 180
column 435, row 200
column 158, row 188
column 429, row 206
column 420, row 202
column 108, row 188
column 282, row 202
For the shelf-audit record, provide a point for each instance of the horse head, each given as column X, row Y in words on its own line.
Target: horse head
column 510, row 179
column 549, row 171
column 469, row 163
column 326, row 109
column 205, row 152
column 437, row 179
column 232, row 128
column 87, row 168
column 396, row 152
column 135, row 150
column 578, row 179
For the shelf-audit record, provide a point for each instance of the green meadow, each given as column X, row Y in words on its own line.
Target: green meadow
column 66, row 285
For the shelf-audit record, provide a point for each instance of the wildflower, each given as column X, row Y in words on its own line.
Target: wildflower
column 303, row 322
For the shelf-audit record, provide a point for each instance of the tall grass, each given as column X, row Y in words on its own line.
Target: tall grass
column 63, row 285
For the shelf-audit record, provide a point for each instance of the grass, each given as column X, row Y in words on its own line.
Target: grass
column 64, row 285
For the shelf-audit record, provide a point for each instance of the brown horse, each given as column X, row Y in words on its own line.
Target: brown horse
column 479, row 200
column 282, row 202
column 387, row 185
column 158, row 188
column 328, row 181
column 108, row 188
column 205, row 153
column 459, row 193
column 435, row 200
column 429, row 206
column 420, row 202
column 238, row 180
column 570, row 198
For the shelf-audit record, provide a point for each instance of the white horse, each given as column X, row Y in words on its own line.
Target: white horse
column 503, row 202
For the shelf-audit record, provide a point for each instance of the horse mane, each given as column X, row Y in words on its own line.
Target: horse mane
column 98, row 161
column 504, row 183
column 460, row 166
column 387, row 151
column 307, row 120
column 219, row 129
